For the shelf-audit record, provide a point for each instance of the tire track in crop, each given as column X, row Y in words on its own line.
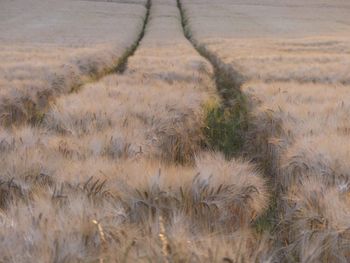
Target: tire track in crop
column 25, row 111
column 231, row 121
column 123, row 62
column 228, row 80
column 228, row 120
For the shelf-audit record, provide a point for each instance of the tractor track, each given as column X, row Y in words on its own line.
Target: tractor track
column 235, row 107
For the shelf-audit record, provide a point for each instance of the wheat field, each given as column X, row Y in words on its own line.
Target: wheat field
column 295, row 64
column 117, row 170
column 56, row 47
column 174, row 131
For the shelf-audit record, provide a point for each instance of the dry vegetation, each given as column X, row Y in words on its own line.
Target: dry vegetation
column 56, row 47
column 121, row 170
column 295, row 60
column 126, row 126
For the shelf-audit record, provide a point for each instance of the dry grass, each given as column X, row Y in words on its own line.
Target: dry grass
column 54, row 219
column 56, row 47
column 116, row 172
column 296, row 69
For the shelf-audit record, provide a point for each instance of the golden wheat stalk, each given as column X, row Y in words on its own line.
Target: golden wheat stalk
column 102, row 237
column 164, row 240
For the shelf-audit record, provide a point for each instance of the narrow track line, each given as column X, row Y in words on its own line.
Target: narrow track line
column 120, row 66
column 228, row 80
column 228, row 83
column 232, row 115
column 123, row 61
